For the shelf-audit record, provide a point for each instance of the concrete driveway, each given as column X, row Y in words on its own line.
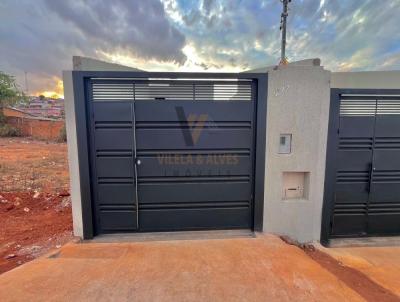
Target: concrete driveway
column 239, row 269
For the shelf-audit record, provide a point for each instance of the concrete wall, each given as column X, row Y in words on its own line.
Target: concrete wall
column 298, row 104
column 298, row 101
column 73, row 162
column 89, row 64
column 366, row 80
column 306, row 62
column 83, row 64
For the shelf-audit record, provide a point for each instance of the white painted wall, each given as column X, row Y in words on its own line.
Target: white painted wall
column 298, row 103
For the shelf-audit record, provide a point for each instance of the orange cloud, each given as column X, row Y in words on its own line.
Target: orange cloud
column 58, row 91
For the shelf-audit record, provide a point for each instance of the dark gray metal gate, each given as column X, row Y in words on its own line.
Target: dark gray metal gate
column 362, row 185
column 172, row 154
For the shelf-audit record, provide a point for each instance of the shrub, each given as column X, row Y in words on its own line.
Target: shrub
column 62, row 137
column 7, row 130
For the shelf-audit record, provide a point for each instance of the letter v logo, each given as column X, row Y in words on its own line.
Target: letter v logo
column 191, row 126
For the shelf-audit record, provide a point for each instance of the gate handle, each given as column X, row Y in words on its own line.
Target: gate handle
column 138, row 161
column 371, row 169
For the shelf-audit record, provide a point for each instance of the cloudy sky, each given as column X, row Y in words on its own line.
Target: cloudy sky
column 40, row 37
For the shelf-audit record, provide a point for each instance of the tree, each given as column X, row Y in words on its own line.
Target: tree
column 9, row 92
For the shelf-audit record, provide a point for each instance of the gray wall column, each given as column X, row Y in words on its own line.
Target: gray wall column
column 73, row 161
column 298, row 104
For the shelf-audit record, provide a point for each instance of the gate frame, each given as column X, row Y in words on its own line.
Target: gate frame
column 81, row 96
column 332, row 143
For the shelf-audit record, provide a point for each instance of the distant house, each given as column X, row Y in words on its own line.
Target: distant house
column 45, row 107
column 15, row 112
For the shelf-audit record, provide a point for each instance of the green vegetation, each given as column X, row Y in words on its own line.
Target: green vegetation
column 9, row 96
column 7, row 131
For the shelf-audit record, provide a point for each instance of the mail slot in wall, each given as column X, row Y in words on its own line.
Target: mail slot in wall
column 295, row 185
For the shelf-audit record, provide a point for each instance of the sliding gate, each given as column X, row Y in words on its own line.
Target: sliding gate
column 362, row 186
column 171, row 154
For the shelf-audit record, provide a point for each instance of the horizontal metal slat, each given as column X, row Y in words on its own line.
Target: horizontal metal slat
column 385, row 208
column 157, row 152
column 192, row 125
column 115, row 180
column 194, row 179
column 350, row 208
column 118, row 207
column 194, row 205
column 352, row 176
column 361, row 107
column 388, row 107
column 173, row 90
column 110, row 91
column 386, row 176
column 387, row 142
column 356, row 143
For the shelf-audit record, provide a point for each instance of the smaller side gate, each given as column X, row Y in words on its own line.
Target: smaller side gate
column 362, row 182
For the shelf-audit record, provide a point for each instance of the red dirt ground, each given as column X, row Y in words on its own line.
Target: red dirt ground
column 35, row 212
column 27, row 165
column 30, row 226
column 356, row 280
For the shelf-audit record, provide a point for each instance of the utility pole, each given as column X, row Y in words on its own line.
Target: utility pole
column 284, row 15
column 26, row 83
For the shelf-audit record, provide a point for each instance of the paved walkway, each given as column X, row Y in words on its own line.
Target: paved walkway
column 238, row 269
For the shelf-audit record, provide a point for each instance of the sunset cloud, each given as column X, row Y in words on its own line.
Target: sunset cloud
column 40, row 37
